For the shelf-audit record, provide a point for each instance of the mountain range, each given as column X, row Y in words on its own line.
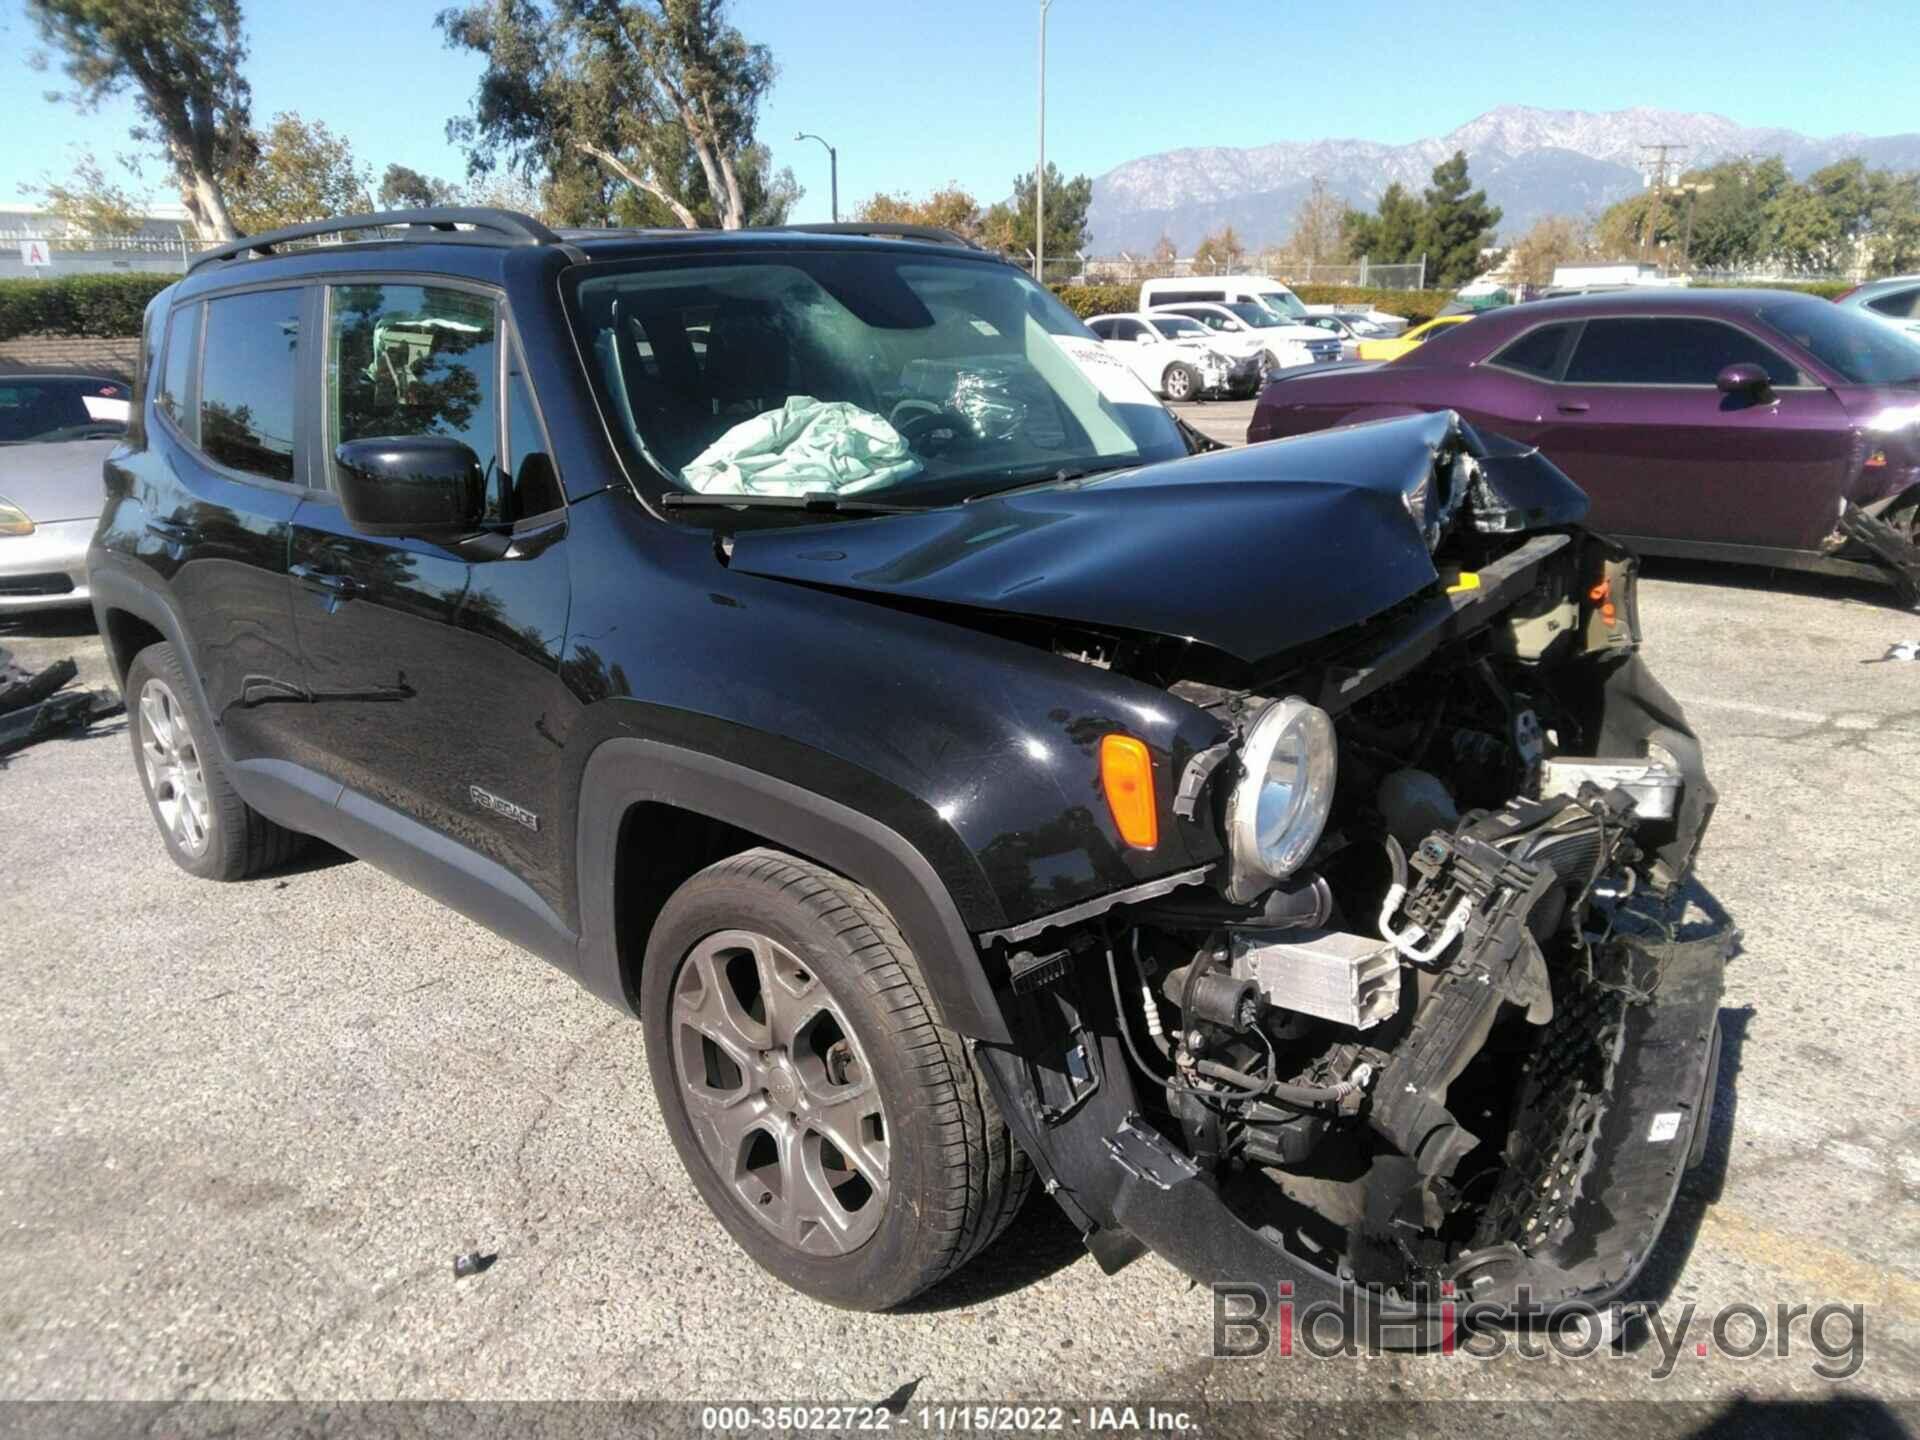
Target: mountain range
column 1531, row 162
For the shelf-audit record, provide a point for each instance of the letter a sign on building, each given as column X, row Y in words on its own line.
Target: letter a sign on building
column 35, row 253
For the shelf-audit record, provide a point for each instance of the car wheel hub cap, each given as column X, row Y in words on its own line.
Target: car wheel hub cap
column 779, row 1093
column 174, row 774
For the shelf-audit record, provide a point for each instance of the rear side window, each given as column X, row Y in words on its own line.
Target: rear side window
column 1539, row 353
column 249, row 364
column 176, row 365
column 1102, row 328
column 1900, row 305
column 1668, row 350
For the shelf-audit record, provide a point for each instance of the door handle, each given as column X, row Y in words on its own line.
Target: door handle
column 1574, row 407
column 171, row 531
column 341, row 587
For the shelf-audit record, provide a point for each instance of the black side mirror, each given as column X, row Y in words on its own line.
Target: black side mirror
column 427, row 486
column 1745, row 379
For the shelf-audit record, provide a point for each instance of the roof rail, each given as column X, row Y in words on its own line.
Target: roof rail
column 484, row 227
column 887, row 228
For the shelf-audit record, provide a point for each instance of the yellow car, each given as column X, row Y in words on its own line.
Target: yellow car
column 1393, row 349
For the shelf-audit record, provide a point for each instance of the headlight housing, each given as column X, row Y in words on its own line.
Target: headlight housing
column 1280, row 803
column 13, row 520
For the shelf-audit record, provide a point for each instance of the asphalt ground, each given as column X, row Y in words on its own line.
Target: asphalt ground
column 244, row 1129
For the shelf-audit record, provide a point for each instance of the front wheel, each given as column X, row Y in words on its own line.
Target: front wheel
column 1180, row 382
column 832, row 1123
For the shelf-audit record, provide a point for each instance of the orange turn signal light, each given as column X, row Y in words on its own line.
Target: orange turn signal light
column 1126, row 774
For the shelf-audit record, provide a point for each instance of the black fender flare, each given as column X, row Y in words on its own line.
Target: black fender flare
column 624, row 771
column 113, row 588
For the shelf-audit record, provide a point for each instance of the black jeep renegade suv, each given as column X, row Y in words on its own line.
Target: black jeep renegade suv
column 812, row 643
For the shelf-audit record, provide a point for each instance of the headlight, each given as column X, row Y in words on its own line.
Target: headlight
column 1279, row 807
column 13, row 520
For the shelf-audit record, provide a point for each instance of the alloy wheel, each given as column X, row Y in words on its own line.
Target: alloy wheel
column 174, row 774
column 779, row 1092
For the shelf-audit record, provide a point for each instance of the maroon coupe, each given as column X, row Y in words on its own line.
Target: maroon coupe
column 1752, row 425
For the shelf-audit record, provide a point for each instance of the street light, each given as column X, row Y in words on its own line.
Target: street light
column 1040, row 170
column 833, row 163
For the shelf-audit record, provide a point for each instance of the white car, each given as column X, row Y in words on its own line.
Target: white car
column 1174, row 356
column 1349, row 330
column 1246, row 329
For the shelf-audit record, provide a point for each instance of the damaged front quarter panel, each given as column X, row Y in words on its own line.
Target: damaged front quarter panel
column 1517, row 1127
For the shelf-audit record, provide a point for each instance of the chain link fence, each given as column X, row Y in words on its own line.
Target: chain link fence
column 1127, row 269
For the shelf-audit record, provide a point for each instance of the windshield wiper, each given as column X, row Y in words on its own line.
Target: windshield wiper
column 1059, row 476
column 820, row 503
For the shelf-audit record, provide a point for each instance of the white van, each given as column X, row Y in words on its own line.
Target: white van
column 1263, row 313
column 1223, row 290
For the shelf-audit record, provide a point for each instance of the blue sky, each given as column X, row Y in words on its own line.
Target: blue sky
column 915, row 94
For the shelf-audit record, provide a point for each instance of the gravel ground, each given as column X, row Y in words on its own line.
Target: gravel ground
column 244, row 1129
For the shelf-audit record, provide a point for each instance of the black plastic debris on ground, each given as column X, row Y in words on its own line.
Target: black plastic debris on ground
column 37, row 705
column 474, row 1262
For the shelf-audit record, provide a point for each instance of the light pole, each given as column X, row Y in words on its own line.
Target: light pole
column 833, row 168
column 1040, row 170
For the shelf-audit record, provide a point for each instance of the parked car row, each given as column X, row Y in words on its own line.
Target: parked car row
column 1752, row 425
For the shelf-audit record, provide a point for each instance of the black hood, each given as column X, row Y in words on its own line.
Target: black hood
column 1249, row 551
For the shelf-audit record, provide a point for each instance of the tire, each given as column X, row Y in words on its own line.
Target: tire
column 851, row 1034
column 1181, row 382
column 207, row 828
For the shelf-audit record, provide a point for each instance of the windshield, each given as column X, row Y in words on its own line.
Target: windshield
column 45, row 410
column 1862, row 351
column 1258, row 316
column 1178, row 327
column 1283, row 303
column 900, row 376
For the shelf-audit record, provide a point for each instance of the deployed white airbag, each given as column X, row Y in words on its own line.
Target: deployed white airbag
column 806, row 445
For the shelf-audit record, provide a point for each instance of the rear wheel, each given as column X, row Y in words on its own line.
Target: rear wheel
column 832, row 1123
column 1180, row 382
column 208, row 829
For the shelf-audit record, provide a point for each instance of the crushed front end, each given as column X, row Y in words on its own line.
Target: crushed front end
column 1433, row 1029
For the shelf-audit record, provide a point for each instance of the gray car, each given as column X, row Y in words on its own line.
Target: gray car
column 1894, row 301
column 55, row 432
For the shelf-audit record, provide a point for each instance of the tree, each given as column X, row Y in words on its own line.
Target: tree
column 1219, row 253
column 1391, row 235
column 181, row 60
column 951, row 208
column 402, row 188
column 304, row 172
column 1456, row 226
column 1724, row 211
column 637, row 86
column 1553, row 241
column 91, row 203
column 1010, row 228
column 1317, row 225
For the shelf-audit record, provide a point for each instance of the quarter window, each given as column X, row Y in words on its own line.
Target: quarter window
column 171, row 398
column 249, row 365
column 1538, row 353
column 1900, row 305
column 534, row 486
column 1670, row 350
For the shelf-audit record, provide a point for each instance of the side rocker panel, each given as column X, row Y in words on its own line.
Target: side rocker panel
column 622, row 773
